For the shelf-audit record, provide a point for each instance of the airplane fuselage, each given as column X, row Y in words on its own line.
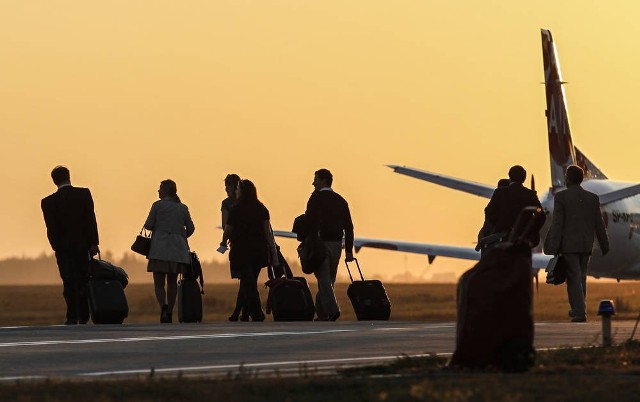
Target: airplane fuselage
column 622, row 219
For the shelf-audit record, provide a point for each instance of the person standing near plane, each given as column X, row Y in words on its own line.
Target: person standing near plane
column 505, row 205
column 485, row 230
column 576, row 219
column 329, row 214
column 73, row 234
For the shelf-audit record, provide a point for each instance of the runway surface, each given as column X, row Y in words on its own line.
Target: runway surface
column 105, row 351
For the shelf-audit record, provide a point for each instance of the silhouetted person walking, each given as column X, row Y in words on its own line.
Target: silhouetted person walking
column 505, row 205
column 231, row 187
column 576, row 219
column 329, row 214
column 73, row 234
column 170, row 222
column 252, row 246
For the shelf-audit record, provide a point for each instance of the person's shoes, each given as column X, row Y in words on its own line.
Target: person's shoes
column 169, row 317
column 164, row 314
column 571, row 313
column 258, row 317
column 579, row 319
column 83, row 322
column 321, row 319
column 334, row 316
column 244, row 317
column 70, row 322
column 233, row 317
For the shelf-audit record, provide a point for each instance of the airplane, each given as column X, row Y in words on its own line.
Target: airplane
column 619, row 201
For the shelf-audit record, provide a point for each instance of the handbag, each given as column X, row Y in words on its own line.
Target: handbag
column 142, row 244
column 556, row 271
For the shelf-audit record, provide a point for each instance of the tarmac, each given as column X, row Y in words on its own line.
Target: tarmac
column 243, row 348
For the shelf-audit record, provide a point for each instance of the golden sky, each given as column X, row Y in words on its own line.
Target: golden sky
column 128, row 93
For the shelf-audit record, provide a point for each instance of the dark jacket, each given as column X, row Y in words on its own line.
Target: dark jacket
column 249, row 245
column 505, row 205
column 70, row 219
column 329, row 213
column 576, row 219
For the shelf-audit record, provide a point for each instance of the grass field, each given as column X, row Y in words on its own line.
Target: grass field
column 43, row 305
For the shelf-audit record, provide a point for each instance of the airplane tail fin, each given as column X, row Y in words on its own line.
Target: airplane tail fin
column 561, row 150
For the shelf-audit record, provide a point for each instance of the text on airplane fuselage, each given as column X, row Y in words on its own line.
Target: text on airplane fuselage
column 621, row 217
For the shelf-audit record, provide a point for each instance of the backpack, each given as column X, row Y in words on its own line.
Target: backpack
column 195, row 270
column 312, row 253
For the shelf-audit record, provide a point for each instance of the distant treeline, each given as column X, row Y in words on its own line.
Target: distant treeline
column 43, row 270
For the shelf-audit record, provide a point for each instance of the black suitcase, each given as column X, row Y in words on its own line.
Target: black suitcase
column 189, row 300
column 100, row 269
column 495, row 309
column 107, row 301
column 368, row 298
column 289, row 299
column 190, row 293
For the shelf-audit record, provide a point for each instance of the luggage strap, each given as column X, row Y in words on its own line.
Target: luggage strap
column 349, row 271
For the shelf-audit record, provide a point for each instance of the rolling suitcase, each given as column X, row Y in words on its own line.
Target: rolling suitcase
column 107, row 301
column 368, row 298
column 190, row 292
column 494, row 302
column 101, row 269
column 289, row 298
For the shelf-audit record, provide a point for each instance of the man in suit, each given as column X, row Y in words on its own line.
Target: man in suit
column 576, row 219
column 505, row 205
column 329, row 214
column 73, row 234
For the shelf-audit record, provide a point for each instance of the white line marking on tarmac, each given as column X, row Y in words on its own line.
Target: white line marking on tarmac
column 413, row 328
column 167, row 338
column 257, row 365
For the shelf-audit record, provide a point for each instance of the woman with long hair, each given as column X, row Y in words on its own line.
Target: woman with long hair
column 171, row 225
column 252, row 246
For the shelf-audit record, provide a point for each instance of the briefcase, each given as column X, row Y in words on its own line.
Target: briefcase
column 556, row 271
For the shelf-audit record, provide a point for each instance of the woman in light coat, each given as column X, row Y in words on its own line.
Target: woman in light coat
column 171, row 224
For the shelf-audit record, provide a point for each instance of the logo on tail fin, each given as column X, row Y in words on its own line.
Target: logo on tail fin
column 561, row 147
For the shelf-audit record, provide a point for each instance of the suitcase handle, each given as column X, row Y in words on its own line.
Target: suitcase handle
column 349, row 271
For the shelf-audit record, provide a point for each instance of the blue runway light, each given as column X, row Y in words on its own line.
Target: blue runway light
column 606, row 307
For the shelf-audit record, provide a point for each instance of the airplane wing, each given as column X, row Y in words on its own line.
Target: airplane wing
column 617, row 195
column 539, row 260
column 481, row 190
column 430, row 250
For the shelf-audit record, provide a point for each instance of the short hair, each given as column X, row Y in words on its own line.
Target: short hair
column 574, row 174
column 517, row 174
column 170, row 189
column 60, row 175
column 325, row 174
column 503, row 183
column 231, row 180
